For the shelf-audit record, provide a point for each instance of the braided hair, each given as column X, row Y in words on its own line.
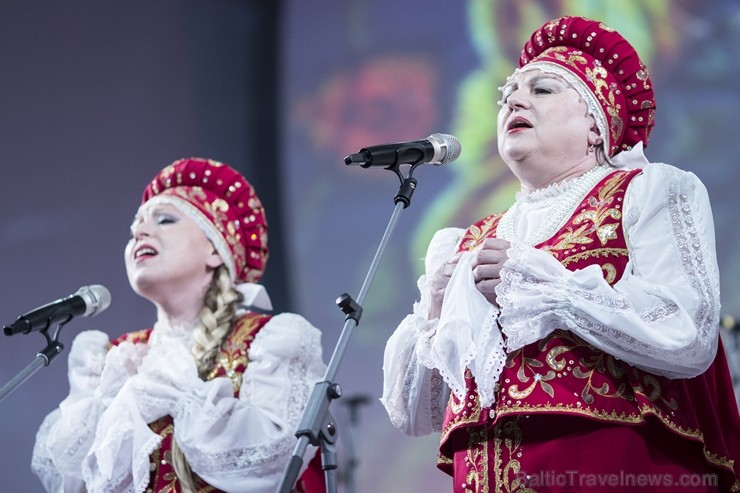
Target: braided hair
column 216, row 321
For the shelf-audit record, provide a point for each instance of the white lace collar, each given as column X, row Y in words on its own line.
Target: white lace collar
column 163, row 331
column 563, row 197
column 554, row 190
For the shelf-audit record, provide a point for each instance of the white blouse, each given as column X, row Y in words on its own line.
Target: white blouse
column 98, row 440
column 661, row 316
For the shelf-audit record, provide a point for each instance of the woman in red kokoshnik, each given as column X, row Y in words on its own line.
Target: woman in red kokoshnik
column 209, row 398
column 571, row 343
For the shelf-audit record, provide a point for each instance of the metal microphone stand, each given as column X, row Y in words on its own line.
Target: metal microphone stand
column 317, row 425
column 353, row 402
column 43, row 358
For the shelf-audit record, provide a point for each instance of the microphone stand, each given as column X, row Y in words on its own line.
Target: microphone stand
column 43, row 358
column 317, row 425
column 353, row 403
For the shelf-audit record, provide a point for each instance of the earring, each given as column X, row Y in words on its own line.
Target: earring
column 591, row 148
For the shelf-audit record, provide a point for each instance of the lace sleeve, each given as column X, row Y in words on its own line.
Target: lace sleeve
column 414, row 395
column 662, row 315
column 66, row 433
column 244, row 444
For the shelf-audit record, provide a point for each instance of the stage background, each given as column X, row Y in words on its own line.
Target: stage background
column 96, row 96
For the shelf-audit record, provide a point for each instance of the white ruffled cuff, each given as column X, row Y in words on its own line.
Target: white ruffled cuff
column 118, row 459
column 85, row 361
column 467, row 337
column 530, row 307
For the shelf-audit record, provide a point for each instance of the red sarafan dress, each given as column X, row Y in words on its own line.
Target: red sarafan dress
column 581, row 400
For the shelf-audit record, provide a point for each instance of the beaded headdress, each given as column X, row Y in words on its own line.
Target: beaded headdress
column 224, row 205
column 605, row 69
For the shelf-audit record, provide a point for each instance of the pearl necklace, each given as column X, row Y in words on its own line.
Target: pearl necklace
column 569, row 194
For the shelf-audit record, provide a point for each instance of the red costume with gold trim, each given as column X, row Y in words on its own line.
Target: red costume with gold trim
column 565, row 387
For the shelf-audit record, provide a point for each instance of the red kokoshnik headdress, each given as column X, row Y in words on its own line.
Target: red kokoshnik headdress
column 605, row 69
column 224, row 205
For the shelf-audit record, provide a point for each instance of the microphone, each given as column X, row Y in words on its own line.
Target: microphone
column 437, row 149
column 87, row 301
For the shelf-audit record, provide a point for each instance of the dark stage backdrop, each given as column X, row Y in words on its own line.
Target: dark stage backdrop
column 96, row 96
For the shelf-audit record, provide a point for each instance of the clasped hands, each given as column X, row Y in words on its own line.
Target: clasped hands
column 487, row 264
column 166, row 381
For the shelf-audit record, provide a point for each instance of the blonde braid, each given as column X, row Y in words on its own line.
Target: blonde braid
column 217, row 317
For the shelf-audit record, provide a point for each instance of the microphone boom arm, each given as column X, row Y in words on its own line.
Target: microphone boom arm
column 43, row 358
column 317, row 426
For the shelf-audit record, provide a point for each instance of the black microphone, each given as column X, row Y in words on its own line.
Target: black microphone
column 436, row 149
column 87, row 301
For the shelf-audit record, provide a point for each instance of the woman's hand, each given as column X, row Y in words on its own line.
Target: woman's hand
column 487, row 266
column 440, row 279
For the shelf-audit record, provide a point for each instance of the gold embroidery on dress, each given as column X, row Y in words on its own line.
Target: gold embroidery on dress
column 233, row 355
column 651, row 389
column 592, row 220
column 475, row 235
column 537, row 379
column 163, row 427
column 596, row 252
column 465, row 411
column 137, row 337
column 610, row 273
column 476, row 462
column 655, row 394
column 507, row 440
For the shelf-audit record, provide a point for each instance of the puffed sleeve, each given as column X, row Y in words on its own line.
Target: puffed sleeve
column 243, row 445
column 95, row 374
column 662, row 315
column 235, row 444
column 414, row 395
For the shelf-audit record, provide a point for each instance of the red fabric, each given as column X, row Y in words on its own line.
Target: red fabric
column 227, row 200
column 608, row 65
column 567, row 387
column 313, row 479
column 567, row 454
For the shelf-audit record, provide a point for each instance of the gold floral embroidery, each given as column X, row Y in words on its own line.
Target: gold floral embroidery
column 652, row 390
column 537, row 379
column 475, row 235
column 465, row 411
column 598, row 363
column 593, row 220
column 610, row 273
column 233, row 356
column 476, row 479
column 507, row 440
column 597, row 252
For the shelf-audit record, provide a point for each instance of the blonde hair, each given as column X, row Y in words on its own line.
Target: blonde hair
column 216, row 320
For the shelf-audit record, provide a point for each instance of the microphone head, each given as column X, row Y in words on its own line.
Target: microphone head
column 447, row 148
column 96, row 297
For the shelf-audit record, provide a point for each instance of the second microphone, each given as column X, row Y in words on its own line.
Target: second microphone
column 437, row 149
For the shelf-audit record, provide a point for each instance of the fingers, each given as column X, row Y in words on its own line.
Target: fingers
column 487, row 288
column 439, row 283
column 442, row 277
column 490, row 259
column 487, row 272
column 495, row 244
